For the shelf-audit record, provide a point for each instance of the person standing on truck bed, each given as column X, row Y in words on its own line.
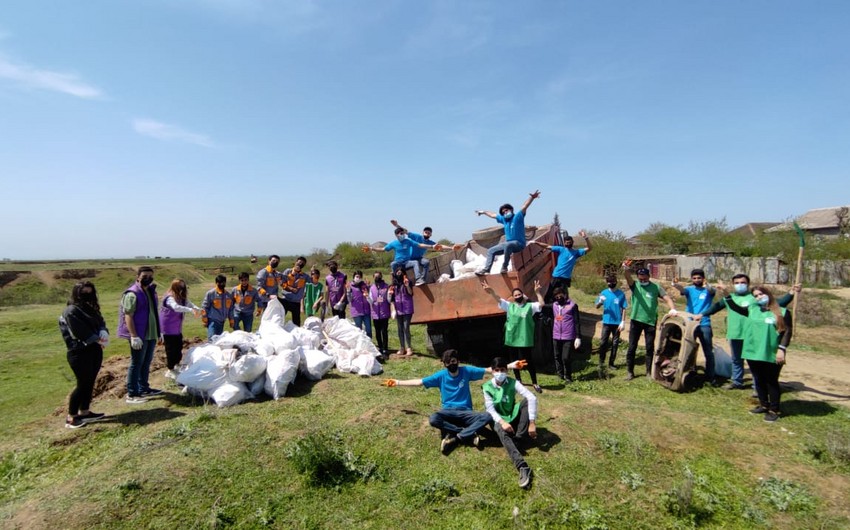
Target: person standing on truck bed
column 519, row 326
column 562, row 275
column 514, row 224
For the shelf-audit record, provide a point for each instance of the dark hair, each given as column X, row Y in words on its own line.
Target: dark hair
column 274, row 256
column 741, row 275
column 399, row 230
column 427, row 229
column 358, row 273
column 314, row 271
column 448, row 355
column 643, row 270
column 499, row 362
column 504, row 207
column 611, row 278
column 569, row 238
column 77, row 296
column 556, row 291
column 244, row 275
column 301, row 258
column 332, row 263
column 220, row 278
column 698, row 272
column 144, row 268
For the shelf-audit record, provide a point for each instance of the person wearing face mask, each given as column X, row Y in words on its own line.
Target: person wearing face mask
column 699, row 296
column 85, row 334
column 768, row 334
column 268, row 281
column 292, row 289
column 512, row 419
column 736, row 325
column 514, row 224
column 335, row 282
column 361, row 310
column 566, row 332
column 217, row 307
column 457, row 422
column 175, row 304
column 244, row 300
column 313, row 303
column 519, row 326
column 614, row 304
column 401, row 295
column 402, row 248
column 379, row 298
column 644, row 316
column 567, row 257
column 138, row 322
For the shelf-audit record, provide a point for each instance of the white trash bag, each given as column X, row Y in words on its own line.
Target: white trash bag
column 273, row 317
column 281, row 371
column 230, row 394
column 315, row 364
column 366, row 365
column 247, row 368
column 205, row 374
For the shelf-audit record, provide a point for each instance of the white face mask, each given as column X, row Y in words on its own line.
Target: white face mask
column 644, row 283
column 357, row 279
column 500, row 377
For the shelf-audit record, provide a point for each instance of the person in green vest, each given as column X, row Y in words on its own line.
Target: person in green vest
column 736, row 324
column 512, row 420
column 519, row 326
column 767, row 335
column 644, row 316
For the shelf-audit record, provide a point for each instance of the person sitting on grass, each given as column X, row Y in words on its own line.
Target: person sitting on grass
column 512, row 420
column 458, row 423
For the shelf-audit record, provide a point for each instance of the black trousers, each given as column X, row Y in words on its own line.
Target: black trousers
column 525, row 354
column 610, row 339
column 648, row 330
column 173, row 350
column 564, row 350
column 85, row 364
column 520, row 426
column 766, row 381
column 381, row 334
column 294, row 308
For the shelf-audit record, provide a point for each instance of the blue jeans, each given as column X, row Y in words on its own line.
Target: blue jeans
column 214, row 328
column 140, row 368
column 507, row 248
column 737, row 346
column 706, row 336
column 419, row 269
column 364, row 322
column 247, row 320
column 461, row 423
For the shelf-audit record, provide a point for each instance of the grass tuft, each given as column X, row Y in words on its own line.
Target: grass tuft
column 326, row 462
column 786, row 496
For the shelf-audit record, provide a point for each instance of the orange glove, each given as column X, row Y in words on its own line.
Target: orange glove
column 365, row 248
column 389, row 383
column 206, row 321
column 520, row 364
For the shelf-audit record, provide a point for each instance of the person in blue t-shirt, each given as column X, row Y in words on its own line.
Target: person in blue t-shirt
column 614, row 305
column 457, row 422
column 699, row 297
column 567, row 257
column 417, row 253
column 514, row 224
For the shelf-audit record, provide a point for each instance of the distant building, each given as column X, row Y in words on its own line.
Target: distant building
column 828, row 222
column 752, row 229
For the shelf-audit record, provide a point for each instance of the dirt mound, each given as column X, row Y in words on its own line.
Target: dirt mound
column 9, row 276
column 75, row 274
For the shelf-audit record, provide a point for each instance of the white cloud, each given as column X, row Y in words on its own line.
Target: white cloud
column 33, row 77
column 170, row 133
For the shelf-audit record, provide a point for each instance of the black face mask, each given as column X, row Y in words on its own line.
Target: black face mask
column 452, row 368
column 273, row 264
column 146, row 281
column 221, row 285
column 334, row 269
column 612, row 285
column 561, row 301
column 88, row 298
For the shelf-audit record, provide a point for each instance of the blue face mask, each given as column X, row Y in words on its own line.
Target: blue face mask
column 741, row 288
column 500, row 377
column 763, row 300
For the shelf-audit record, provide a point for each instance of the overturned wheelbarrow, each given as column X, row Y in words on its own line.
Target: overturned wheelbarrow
column 675, row 360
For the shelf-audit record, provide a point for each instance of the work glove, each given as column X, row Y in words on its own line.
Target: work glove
column 601, row 299
column 621, row 326
column 577, row 343
column 672, row 312
column 205, row 321
column 136, row 343
column 104, row 338
column 518, row 365
column 232, row 324
column 389, row 383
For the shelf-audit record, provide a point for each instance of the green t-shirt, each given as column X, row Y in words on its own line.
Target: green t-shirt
column 762, row 338
column 736, row 324
column 311, row 294
column 504, row 398
column 645, row 302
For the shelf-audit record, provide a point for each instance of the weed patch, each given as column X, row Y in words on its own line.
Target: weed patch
column 786, row 496
column 326, row 462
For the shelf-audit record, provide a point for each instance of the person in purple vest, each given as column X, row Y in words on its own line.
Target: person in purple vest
column 361, row 310
column 566, row 332
column 138, row 322
column 175, row 304
column 335, row 281
column 379, row 296
column 401, row 294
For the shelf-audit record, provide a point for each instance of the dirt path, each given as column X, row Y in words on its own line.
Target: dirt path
column 817, row 377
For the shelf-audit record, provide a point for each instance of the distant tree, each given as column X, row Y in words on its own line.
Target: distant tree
column 609, row 251
column 318, row 257
column 665, row 239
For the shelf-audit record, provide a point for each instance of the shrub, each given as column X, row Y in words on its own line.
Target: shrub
column 326, row 462
column 786, row 496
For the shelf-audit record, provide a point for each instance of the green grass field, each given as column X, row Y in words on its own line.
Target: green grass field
column 347, row 452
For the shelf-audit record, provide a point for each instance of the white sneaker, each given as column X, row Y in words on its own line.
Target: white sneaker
column 171, row 374
column 135, row 400
column 419, row 282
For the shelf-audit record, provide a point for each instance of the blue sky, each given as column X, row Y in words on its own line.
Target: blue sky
column 205, row 127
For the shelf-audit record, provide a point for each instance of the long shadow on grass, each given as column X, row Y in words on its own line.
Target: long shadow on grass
column 143, row 417
column 799, row 407
column 799, row 386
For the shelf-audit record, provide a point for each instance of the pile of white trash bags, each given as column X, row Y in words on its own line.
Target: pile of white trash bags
column 236, row 366
column 474, row 261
